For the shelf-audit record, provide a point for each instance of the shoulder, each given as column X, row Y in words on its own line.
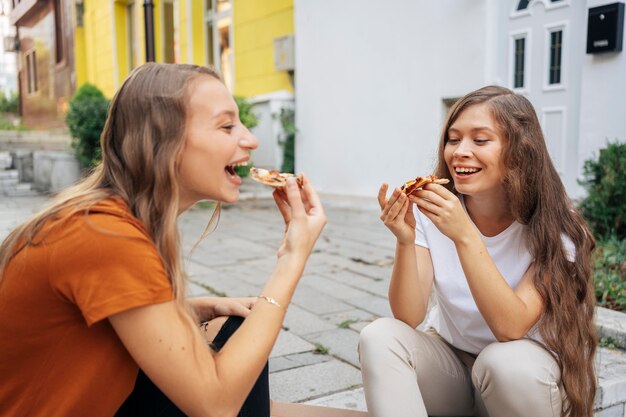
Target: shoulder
column 104, row 232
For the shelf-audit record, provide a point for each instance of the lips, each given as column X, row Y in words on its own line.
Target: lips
column 461, row 171
column 231, row 168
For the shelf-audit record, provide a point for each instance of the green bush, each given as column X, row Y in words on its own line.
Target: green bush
column 605, row 182
column 9, row 103
column 249, row 120
column 85, row 120
column 610, row 273
column 288, row 139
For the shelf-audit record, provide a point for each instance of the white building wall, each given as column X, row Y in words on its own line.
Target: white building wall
column 603, row 99
column 370, row 79
column 558, row 107
column 8, row 69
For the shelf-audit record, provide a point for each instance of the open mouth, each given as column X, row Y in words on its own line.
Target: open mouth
column 463, row 171
column 231, row 168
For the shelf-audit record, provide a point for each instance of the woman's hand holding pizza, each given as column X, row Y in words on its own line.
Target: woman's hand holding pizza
column 397, row 214
column 303, row 214
column 444, row 209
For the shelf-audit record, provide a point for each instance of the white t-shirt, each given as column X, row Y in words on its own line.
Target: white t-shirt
column 456, row 317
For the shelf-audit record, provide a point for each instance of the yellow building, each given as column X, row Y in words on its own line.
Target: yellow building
column 234, row 36
column 239, row 38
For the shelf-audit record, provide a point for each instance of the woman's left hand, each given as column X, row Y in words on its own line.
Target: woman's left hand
column 207, row 308
column 444, row 209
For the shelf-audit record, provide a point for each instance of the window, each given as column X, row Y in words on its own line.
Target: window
column 58, row 31
column 519, row 62
column 523, row 4
column 556, row 47
column 31, row 72
column 219, row 38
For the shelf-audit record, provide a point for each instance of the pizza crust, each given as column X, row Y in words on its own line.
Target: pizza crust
column 273, row 178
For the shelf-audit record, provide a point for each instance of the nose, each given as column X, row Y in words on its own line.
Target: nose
column 463, row 149
column 248, row 140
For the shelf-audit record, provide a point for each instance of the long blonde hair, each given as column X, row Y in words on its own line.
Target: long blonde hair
column 142, row 140
column 537, row 199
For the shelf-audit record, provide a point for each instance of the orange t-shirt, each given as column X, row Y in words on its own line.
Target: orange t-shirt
column 59, row 356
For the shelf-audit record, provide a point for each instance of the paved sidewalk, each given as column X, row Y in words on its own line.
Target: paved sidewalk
column 344, row 287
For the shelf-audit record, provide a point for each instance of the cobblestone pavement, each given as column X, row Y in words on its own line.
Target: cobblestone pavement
column 344, row 287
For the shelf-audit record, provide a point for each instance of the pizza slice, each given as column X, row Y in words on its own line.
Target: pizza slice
column 409, row 187
column 273, row 177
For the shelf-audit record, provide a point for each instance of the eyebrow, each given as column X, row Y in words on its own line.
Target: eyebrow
column 475, row 129
column 225, row 112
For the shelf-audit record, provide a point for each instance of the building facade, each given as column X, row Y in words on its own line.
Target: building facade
column 67, row 43
column 45, row 60
column 8, row 61
column 233, row 36
column 392, row 73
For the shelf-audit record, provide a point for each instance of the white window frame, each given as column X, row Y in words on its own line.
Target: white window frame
column 214, row 16
column 551, row 6
column 528, row 11
column 513, row 36
column 548, row 30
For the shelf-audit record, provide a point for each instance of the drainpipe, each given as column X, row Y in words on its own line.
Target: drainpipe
column 148, row 15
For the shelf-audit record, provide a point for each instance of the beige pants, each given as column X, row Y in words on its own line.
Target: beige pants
column 409, row 373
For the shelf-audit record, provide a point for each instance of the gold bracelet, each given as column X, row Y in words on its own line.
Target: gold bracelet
column 270, row 300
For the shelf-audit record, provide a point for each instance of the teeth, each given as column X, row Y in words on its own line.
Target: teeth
column 242, row 164
column 466, row 170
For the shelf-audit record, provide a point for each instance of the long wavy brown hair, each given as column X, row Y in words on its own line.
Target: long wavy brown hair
column 537, row 199
column 142, row 140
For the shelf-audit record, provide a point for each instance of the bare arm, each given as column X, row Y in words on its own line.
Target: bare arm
column 509, row 313
column 411, row 284
column 166, row 345
column 412, row 276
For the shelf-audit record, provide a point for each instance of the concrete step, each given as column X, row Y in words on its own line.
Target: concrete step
column 5, row 160
column 611, row 392
column 611, row 327
column 6, row 174
column 22, row 189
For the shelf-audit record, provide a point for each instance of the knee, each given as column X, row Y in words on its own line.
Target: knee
column 379, row 338
column 513, row 365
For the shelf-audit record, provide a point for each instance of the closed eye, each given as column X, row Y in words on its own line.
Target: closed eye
column 481, row 141
column 228, row 127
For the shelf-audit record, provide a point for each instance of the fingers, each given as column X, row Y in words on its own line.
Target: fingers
column 382, row 195
column 312, row 197
column 285, row 210
column 397, row 195
column 294, row 198
column 429, row 195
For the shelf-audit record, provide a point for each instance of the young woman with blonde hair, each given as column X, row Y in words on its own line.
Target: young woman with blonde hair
column 512, row 331
column 92, row 289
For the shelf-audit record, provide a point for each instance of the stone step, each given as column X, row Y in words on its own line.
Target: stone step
column 7, row 174
column 5, row 160
column 611, row 327
column 22, row 189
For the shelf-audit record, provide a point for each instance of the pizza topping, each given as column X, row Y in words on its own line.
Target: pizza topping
column 411, row 186
column 273, row 178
